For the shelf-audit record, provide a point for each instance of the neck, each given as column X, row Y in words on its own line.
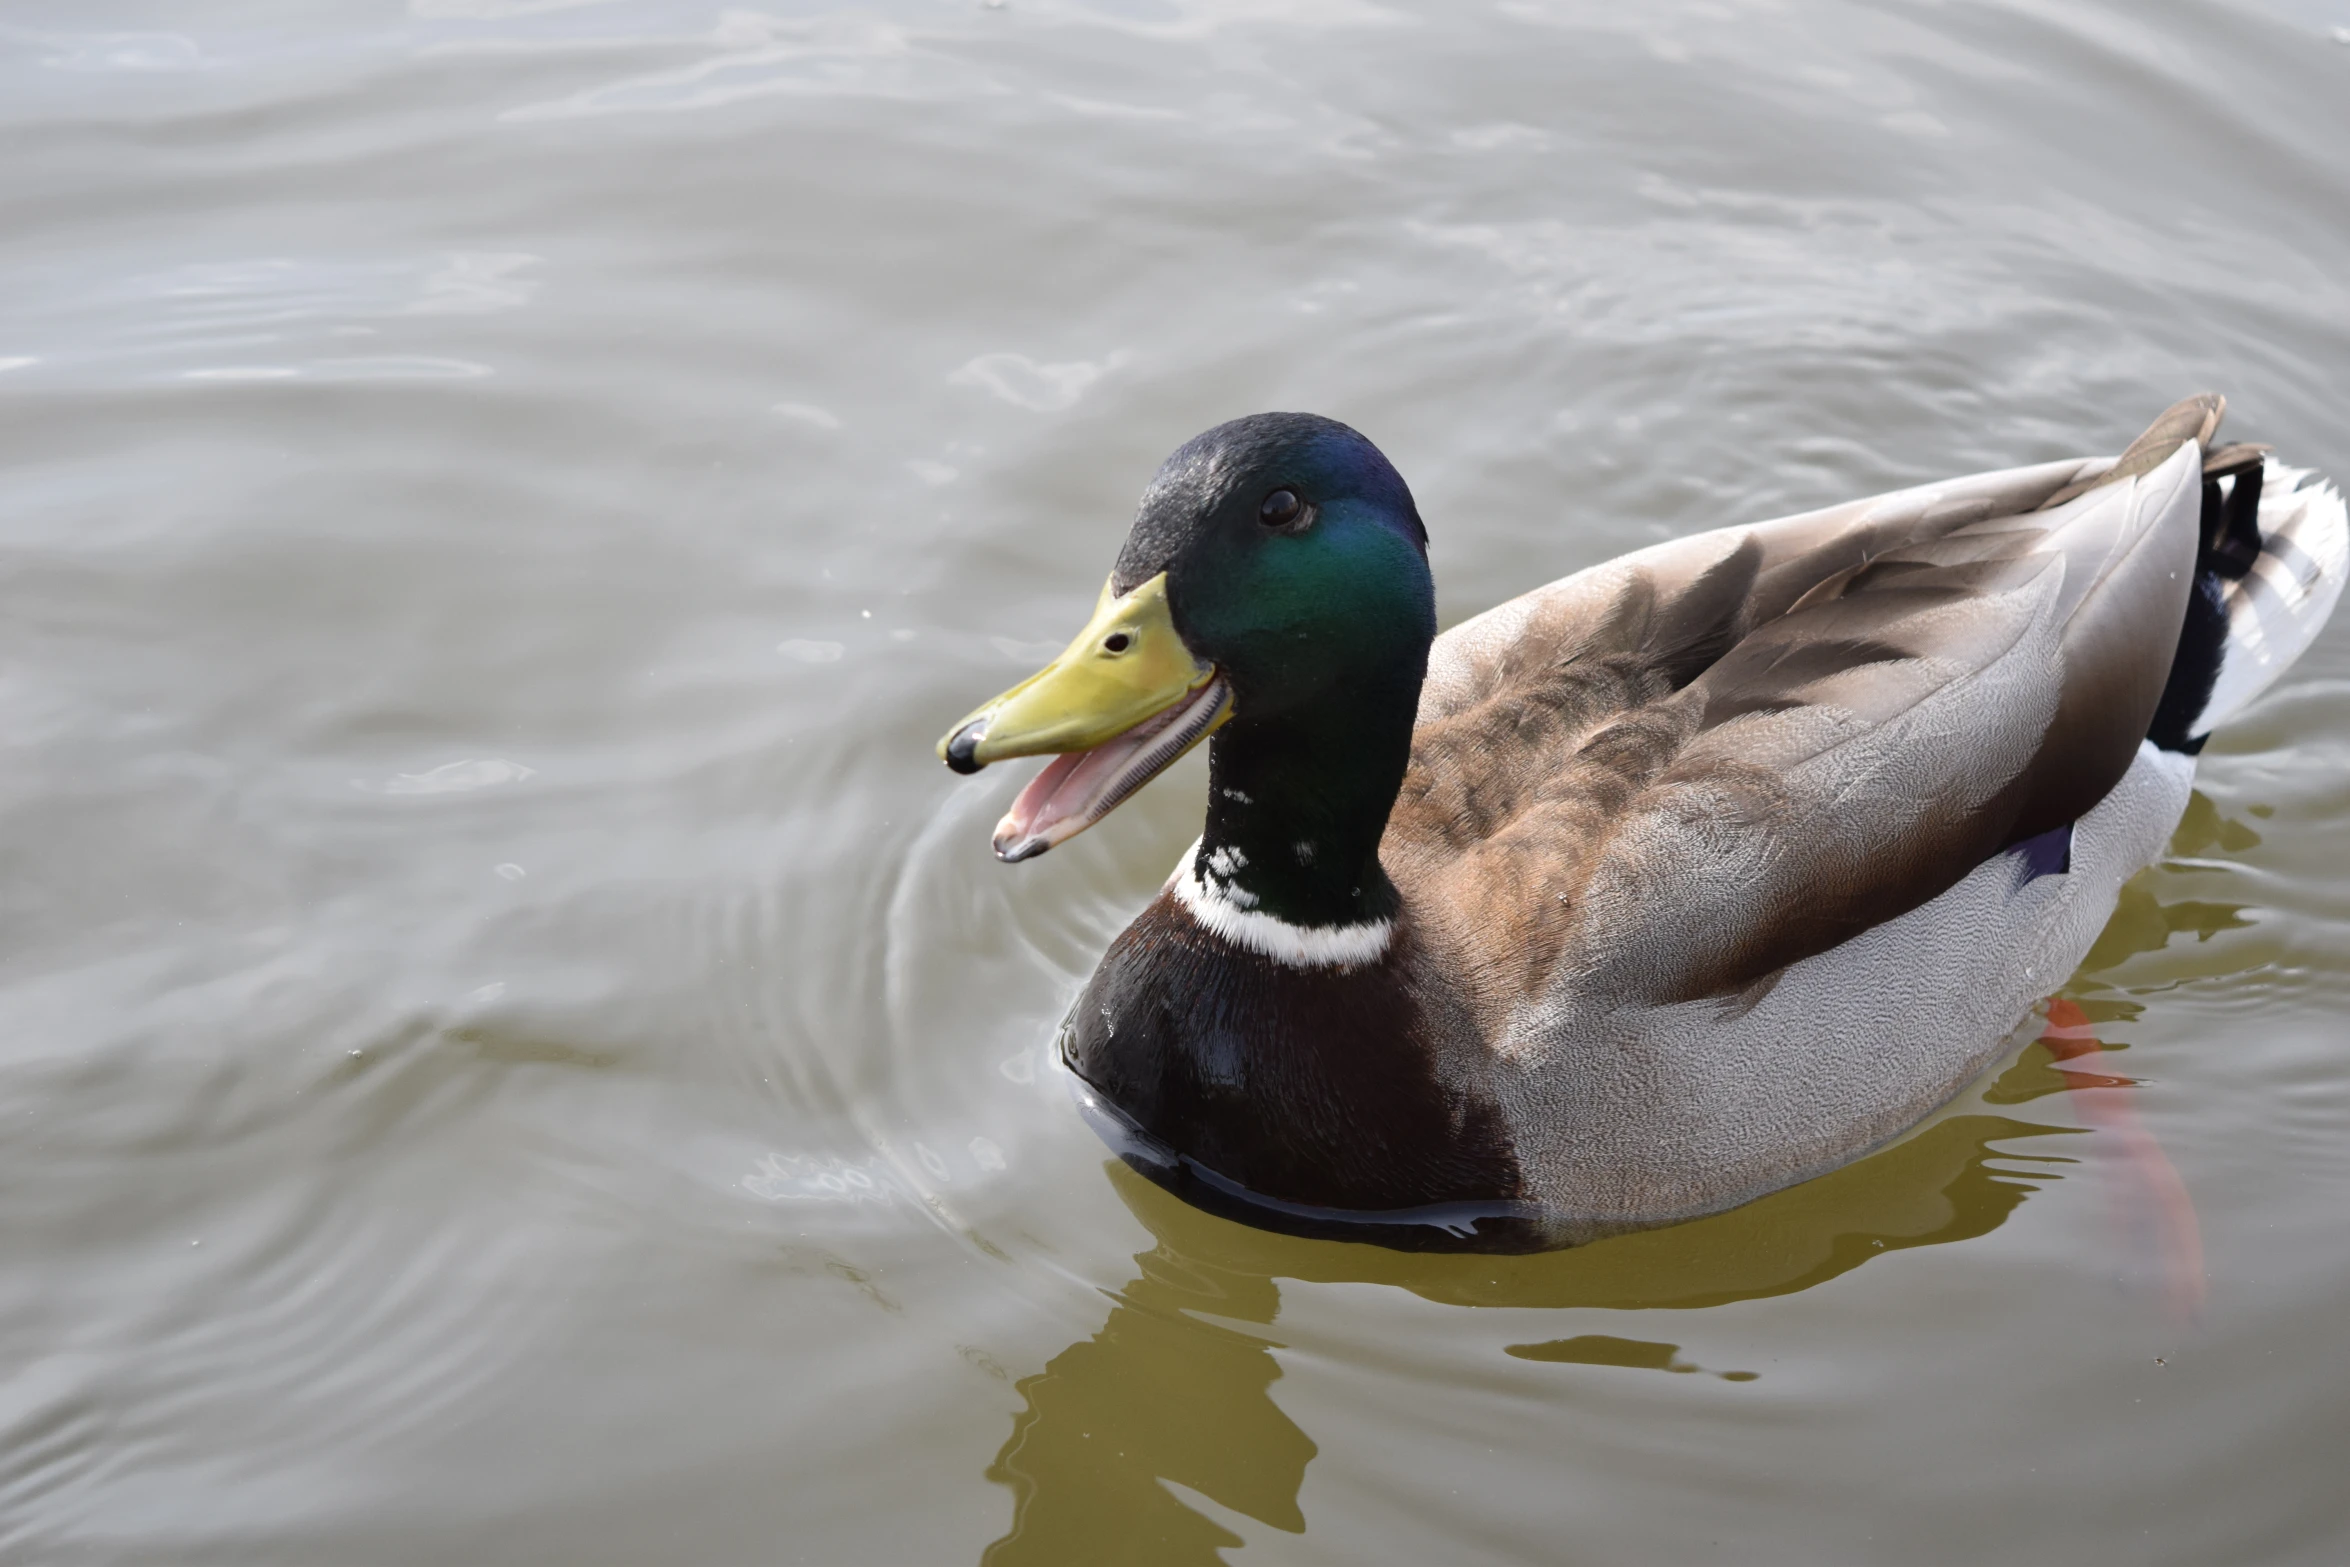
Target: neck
column 1296, row 807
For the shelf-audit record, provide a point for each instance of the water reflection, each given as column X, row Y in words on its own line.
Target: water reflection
column 1160, row 1397
column 2158, row 1236
column 2142, row 922
column 1173, row 1395
column 1156, row 1396
column 1605, row 1349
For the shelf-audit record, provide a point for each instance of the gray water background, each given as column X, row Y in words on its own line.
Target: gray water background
column 511, row 1049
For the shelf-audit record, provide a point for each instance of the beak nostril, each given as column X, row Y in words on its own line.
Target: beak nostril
column 1117, row 642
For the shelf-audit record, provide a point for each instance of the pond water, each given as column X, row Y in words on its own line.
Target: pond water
column 513, row 1050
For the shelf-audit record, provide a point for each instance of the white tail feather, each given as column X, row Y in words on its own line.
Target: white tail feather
column 2281, row 604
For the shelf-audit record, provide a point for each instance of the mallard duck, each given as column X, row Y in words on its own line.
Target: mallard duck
column 1679, row 880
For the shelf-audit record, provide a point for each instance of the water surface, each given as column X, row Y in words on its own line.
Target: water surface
column 511, row 1050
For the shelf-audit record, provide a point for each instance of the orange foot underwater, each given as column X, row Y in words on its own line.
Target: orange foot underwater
column 2157, row 1217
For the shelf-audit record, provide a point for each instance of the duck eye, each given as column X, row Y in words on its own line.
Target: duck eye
column 1280, row 509
column 1117, row 642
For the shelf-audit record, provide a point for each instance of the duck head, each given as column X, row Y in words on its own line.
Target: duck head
column 1275, row 582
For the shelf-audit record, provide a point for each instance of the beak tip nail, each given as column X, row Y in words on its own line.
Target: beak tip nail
column 1020, row 849
column 962, row 750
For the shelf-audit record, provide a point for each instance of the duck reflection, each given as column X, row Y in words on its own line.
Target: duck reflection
column 1605, row 1349
column 1157, row 1396
column 1172, row 1399
column 1174, row 1394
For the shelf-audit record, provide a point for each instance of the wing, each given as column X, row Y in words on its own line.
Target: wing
column 1674, row 775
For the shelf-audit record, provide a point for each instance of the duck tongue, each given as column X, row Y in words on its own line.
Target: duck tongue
column 1076, row 790
column 1055, row 804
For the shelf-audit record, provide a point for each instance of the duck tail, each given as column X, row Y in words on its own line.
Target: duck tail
column 2270, row 562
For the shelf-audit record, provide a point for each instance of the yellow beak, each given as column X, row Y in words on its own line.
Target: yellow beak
column 1127, row 666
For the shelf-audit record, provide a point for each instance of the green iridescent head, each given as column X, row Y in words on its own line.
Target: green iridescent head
column 1294, row 556
column 1275, row 579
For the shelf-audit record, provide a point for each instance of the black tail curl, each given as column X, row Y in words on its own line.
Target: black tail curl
column 2230, row 542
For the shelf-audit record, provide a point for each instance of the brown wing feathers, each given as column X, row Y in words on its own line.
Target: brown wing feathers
column 2190, row 419
column 1724, row 723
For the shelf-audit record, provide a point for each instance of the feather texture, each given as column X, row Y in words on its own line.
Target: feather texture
column 1718, row 864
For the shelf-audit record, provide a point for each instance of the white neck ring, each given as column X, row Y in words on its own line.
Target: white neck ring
column 1298, row 946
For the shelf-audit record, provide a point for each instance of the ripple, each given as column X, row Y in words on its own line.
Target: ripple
column 452, row 778
column 1040, row 388
column 658, row 1150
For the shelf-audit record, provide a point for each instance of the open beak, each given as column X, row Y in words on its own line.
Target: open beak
column 1114, row 711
